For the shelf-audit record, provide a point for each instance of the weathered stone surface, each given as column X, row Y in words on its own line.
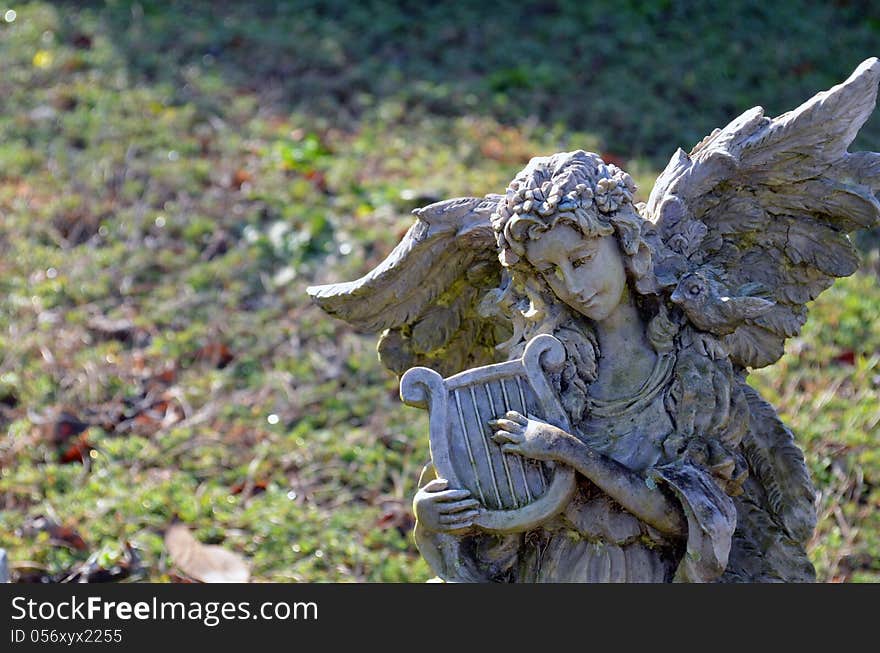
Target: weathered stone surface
column 649, row 318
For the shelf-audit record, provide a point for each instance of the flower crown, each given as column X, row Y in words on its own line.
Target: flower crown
column 578, row 183
column 611, row 189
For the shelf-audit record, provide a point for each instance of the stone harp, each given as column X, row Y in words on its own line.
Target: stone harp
column 515, row 493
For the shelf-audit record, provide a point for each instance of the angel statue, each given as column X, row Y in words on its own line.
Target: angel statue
column 596, row 351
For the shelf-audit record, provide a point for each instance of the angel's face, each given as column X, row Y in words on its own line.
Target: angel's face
column 585, row 273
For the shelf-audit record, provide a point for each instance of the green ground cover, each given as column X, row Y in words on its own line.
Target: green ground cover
column 173, row 175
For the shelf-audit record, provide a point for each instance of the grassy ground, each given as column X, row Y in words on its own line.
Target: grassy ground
column 172, row 179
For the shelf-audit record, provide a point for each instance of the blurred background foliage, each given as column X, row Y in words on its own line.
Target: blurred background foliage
column 173, row 175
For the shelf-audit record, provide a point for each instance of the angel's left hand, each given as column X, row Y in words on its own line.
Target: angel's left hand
column 530, row 438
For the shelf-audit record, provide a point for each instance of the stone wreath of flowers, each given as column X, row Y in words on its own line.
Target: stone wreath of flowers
column 609, row 194
column 605, row 191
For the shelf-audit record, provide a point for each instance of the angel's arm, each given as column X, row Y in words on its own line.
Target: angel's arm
column 631, row 489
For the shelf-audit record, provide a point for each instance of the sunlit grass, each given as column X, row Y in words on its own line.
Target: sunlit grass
column 162, row 213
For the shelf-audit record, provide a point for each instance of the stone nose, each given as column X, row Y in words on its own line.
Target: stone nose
column 577, row 284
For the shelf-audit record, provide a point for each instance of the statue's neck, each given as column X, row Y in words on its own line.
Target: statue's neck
column 626, row 357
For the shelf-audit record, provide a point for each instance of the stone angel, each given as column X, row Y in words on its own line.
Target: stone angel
column 682, row 471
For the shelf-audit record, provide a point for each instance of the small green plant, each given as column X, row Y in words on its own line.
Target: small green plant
column 175, row 174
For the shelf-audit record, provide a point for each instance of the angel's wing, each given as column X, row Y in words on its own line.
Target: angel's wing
column 767, row 203
column 775, row 510
column 425, row 294
column 763, row 208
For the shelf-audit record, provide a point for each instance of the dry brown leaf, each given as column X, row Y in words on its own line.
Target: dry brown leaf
column 217, row 354
column 204, row 562
column 59, row 534
column 76, row 452
column 66, row 425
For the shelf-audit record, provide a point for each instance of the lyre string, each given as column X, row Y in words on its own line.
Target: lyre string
column 485, row 440
column 503, row 457
column 467, row 443
column 525, row 413
column 522, row 466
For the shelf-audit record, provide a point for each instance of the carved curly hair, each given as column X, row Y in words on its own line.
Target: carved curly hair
column 576, row 188
column 595, row 198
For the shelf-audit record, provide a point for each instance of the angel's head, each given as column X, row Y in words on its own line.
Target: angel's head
column 569, row 219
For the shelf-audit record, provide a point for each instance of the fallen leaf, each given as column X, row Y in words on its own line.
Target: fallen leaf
column 67, row 536
column 239, row 178
column 59, row 534
column 318, row 179
column 204, row 562
column 76, row 452
column 216, row 353
column 614, row 159
column 847, row 357
column 67, row 425
column 256, row 487
column 396, row 516
column 167, row 375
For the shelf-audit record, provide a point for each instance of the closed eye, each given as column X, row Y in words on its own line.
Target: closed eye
column 582, row 260
column 553, row 271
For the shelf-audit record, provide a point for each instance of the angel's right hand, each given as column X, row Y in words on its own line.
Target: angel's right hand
column 442, row 510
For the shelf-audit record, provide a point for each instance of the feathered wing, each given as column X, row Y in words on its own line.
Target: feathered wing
column 425, row 294
column 775, row 511
column 767, row 205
